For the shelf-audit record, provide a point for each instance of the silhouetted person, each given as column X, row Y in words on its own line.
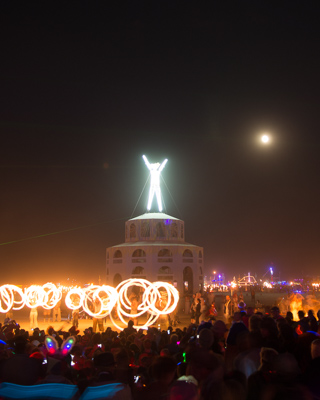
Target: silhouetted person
column 20, row 369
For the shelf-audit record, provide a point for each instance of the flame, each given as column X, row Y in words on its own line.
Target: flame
column 158, row 298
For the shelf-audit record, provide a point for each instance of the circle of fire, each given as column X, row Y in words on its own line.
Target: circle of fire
column 158, row 298
column 154, row 302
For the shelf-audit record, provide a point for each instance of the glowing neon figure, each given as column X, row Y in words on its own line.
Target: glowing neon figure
column 155, row 171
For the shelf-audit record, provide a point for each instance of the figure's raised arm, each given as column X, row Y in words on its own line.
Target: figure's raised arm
column 146, row 161
column 163, row 164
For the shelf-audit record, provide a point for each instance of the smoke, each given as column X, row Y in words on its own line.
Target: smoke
column 296, row 302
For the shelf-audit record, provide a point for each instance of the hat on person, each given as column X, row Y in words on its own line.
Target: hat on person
column 37, row 355
column 188, row 379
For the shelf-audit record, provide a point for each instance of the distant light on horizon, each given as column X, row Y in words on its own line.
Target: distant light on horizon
column 265, row 138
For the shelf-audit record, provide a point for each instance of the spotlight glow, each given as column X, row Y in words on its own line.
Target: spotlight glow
column 265, row 139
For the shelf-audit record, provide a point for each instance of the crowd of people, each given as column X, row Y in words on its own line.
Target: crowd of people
column 256, row 356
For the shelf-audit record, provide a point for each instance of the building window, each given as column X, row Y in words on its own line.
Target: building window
column 139, row 256
column 188, row 280
column 160, row 232
column 165, row 271
column 117, row 257
column 133, row 231
column 187, row 256
column 200, row 254
column 138, row 271
column 145, row 229
column 187, row 253
column 139, row 253
column 164, row 256
column 181, row 231
column 174, row 230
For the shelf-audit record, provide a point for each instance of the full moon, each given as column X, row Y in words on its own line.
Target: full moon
column 265, row 139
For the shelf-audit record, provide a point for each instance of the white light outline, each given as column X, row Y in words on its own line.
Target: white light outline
column 51, row 296
column 107, row 303
column 155, row 172
column 48, row 295
column 148, row 304
column 34, row 296
column 122, row 290
column 72, row 305
column 7, row 296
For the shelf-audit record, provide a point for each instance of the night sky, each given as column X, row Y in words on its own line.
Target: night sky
column 88, row 88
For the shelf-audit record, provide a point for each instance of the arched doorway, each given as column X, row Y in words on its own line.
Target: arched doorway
column 188, row 280
column 116, row 280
